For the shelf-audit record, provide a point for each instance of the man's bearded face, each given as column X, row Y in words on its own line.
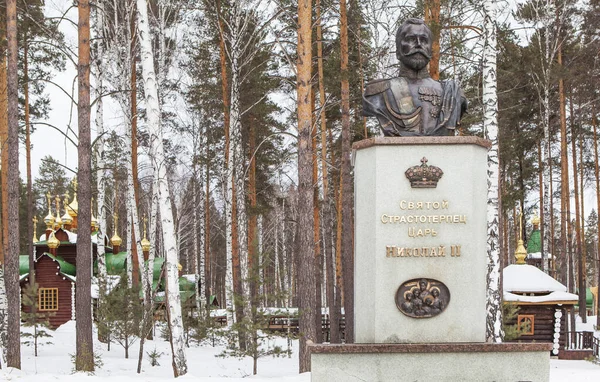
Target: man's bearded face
column 415, row 47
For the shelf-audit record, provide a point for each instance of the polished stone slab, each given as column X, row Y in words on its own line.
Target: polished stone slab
column 404, row 233
column 443, row 362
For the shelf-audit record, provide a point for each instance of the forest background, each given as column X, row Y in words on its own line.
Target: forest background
column 226, row 106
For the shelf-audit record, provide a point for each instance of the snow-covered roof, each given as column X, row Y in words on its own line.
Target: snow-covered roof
column 524, row 278
column 530, row 279
column 72, row 236
column 556, row 297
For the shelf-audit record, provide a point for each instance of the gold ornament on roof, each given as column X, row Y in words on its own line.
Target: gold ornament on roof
column 35, row 221
column 49, row 219
column 535, row 220
column 58, row 221
column 74, row 206
column 521, row 252
column 145, row 243
column 115, row 240
column 53, row 242
column 66, row 218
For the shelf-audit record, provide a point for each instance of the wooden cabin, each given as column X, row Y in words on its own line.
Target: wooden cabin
column 543, row 304
column 56, row 289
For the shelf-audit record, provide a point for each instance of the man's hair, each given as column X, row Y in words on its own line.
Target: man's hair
column 406, row 24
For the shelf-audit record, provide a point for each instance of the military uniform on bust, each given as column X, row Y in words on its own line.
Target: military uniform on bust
column 413, row 104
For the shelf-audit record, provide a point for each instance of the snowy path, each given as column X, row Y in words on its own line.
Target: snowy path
column 54, row 364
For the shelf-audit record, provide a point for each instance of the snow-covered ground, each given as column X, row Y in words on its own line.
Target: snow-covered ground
column 54, row 364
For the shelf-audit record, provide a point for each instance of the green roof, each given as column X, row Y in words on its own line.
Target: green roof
column 115, row 263
column 534, row 244
column 65, row 267
column 23, row 265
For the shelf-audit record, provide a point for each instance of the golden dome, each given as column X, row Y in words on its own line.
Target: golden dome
column 520, row 253
column 53, row 242
column 49, row 219
column 58, row 221
column 145, row 245
column 179, row 267
column 74, row 206
column 35, row 221
column 66, row 218
column 116, row 240
column 535, row 220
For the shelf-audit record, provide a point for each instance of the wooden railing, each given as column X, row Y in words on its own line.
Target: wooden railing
column 582, row 341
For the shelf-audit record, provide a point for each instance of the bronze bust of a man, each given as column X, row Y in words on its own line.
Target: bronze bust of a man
column 413, row 104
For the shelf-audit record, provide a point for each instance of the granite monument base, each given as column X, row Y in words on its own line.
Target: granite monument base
column 477, row 362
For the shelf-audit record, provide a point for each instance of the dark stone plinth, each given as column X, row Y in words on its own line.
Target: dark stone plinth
column 387, row 141
column 435, row 362
column 466, row 347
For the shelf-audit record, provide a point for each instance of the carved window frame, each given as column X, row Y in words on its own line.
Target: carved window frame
column 48, row 299
column 524, row 318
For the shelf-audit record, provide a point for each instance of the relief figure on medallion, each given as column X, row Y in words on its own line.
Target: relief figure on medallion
column 422, row 298
column 414, row 104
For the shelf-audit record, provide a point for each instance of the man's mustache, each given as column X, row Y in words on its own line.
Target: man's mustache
column 419, row 51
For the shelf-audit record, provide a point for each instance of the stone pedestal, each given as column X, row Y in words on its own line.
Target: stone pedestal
column 431, row 362
column 420, row 270
column 404, row 233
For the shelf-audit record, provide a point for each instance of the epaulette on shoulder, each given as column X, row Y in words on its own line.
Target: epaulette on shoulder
column 376, row 87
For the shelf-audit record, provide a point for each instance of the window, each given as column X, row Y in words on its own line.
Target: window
column 525, row 324
column 48, row 299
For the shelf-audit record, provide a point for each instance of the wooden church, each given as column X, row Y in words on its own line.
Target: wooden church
column 55, row 262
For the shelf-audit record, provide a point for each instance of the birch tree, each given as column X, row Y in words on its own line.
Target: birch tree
column 101, row 173
column 157, row 156
column 490, row 126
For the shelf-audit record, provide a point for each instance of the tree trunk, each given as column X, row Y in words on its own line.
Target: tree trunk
column 327, row 221
column 133, row 169
column 101, row 175
column 237, row 162
column 564, row 171
column 432, row 19
column 316, row 221
column 597, row 173
column 253, row 254
column 208, row 258
column 542, row 200
column 84, row 360
column 13, row 246
column 490, row 127
column 167, row 224
column 582, row 214
column 30, row 223
column 4, row 196
column 578, row 251
column 347, row 197
column 305, row 244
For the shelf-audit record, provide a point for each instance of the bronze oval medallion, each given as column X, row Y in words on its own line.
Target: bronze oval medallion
column 422, row 298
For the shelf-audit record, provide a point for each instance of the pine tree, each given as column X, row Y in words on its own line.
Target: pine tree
column 84, row 360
